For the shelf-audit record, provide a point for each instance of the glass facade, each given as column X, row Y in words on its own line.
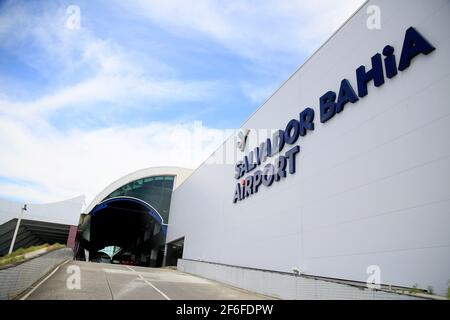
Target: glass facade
column 156, row 191
column 110, row 250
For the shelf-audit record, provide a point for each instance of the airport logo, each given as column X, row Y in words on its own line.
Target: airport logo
column 242, row 139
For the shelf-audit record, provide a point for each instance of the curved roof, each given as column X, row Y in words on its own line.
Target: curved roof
column 180, row 175
column 63, row 212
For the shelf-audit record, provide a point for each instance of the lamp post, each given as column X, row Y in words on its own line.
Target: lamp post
column 11, row 248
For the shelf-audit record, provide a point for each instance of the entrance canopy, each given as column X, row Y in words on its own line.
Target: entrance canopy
column 132, row 213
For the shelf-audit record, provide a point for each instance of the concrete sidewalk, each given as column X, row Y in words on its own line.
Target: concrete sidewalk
column 118, row 282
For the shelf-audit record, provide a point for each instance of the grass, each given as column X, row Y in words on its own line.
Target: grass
column 18, row 255
column 414, row 289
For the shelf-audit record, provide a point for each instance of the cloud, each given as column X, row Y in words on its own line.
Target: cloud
column 90, row 69
column 87, row 72
column 83, row 71
column 114, row 90
column 60, row 165
column 255, row 30
column 257, row 93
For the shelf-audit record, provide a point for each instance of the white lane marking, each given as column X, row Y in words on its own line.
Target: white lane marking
column 43, row 280
column 129, row 268
column 149, row 283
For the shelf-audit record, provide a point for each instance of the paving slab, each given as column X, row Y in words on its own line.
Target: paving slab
column 101, row 281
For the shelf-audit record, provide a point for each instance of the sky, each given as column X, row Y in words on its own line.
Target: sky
column 93, row 90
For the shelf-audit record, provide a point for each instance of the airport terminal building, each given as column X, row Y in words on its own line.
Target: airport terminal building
column 341, row 177
column 355, row 176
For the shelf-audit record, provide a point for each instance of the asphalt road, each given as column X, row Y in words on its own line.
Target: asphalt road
column 119, row 282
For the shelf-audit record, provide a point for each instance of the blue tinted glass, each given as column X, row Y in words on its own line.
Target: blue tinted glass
column 156, row 191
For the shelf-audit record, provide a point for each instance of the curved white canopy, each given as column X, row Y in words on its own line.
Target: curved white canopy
column 180, row 175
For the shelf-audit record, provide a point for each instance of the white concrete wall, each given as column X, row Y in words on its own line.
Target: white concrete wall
column 372, row 184
column 285, row 286
column 17, row 278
